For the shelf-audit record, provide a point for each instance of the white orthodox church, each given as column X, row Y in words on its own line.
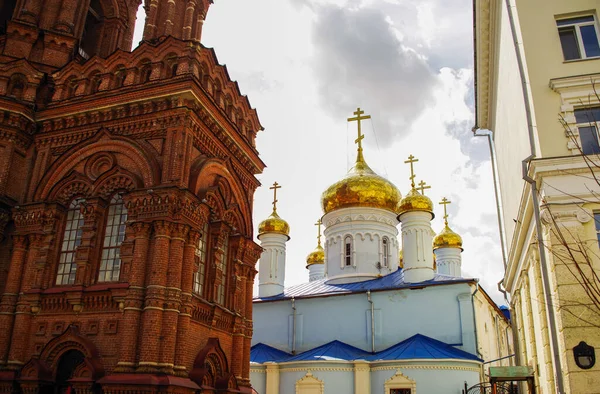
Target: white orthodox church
column 384, row 311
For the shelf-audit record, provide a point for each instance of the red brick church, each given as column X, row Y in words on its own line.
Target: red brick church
column 126, row 189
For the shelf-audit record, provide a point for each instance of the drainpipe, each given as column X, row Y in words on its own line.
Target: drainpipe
column 474, row 320
column 293, row 325
column 372, row 321
column 534, row 199
column 545, row 278
column 489, row 134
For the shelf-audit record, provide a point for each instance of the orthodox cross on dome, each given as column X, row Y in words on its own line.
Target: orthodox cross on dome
column 422, row 187
column 274, row 188
column 361, row 136
column 318, row 223
column 445, row 202
column 411, row 160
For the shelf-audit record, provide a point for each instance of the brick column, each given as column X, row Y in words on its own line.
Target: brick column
column 20, row 333
column 150, row 27
column 189, row 20
column 185, row 315
column 237, row 354
column 9, row 298
column 155, row 298
column 66, row 17
column 173, row 302
column 31, row 11
column 134, row 298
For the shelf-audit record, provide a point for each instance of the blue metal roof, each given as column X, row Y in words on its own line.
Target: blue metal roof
column 261, row 353
column 416, row 347
column 395, row 280
column 421, row 347
column 332, row 351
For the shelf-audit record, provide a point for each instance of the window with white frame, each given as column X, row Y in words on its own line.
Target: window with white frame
column 579, row 37
column 67, row 268
column 201, row 261
column 385, row 246
column 587, row 124
column 597, row 221
column 348, row 251
column 110, row 263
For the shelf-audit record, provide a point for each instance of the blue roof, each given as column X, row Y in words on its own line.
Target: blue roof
column 416, row 347
column 261, row 353
column 332, row 351
column 395, row 280
column 421, row 347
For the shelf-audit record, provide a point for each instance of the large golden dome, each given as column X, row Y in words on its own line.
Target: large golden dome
column 361, row 187
column 274, row 224
column 317, row 256
column 447, row 239
column 415, row 201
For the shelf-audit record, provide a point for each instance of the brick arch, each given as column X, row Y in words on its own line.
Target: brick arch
column 74, row 185
column 71, row 339
column 117, row 179
column 208, row 173
column 147, row 165
column 211, row 366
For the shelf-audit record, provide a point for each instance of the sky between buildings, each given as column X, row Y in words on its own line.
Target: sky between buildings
column 306, row 65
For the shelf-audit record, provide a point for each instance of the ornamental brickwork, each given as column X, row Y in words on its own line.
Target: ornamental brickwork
column 126, row 186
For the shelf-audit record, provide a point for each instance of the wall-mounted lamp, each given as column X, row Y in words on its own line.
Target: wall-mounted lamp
column 585, row 356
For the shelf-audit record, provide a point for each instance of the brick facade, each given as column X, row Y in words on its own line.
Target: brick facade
column 125, row 179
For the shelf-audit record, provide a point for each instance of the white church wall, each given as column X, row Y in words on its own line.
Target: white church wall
column 258, row 377
column 434, row 311
column 449, row 379
column 338, row 378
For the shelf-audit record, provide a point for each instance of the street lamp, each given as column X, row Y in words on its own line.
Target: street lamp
column 585, row 357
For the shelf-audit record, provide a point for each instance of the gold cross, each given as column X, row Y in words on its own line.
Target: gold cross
column 318, row 223
column 411, row 160
column 445, row 202
column 274, row 188
column 358, row 118
column 422, row 187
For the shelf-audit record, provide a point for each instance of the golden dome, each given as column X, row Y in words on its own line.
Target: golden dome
column 317, row 256
column 274, row 225
column 447, row 239
column 415, row 201
column 361, row 187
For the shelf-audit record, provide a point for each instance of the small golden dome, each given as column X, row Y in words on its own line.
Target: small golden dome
column 415, row 201
column 361, row 187
column 274, row 224
column 317, row 256
column 447, row 239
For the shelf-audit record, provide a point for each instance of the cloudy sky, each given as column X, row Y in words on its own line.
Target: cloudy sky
column 307, row 64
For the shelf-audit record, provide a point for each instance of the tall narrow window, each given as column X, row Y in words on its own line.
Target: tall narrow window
column 110, row 265
column 71, row 240
column 578, row 37
column 386, row 250
column 597, row 221
column 587, row 124
column 201, row 261
column 223, row 266
column 348, row 251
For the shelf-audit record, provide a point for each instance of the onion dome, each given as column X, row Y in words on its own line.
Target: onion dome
column 274, row 225
column 361, row 187
column 415, row 201
column 447, row 239
column 317, row 256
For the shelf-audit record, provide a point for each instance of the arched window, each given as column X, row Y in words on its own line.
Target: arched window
column 110, row 263
column 95, row 84
column 201, row 261
column 223, row 266
column 16, row 86
column 145, row 73
column 70, row 88
column 7, row 8
column 71, row 240
column 120, row 75
column 92, row 30
column 385, row 243
column 348, row 251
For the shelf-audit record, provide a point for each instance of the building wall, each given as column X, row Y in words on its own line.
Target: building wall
column 433, row 311
column 567, row 190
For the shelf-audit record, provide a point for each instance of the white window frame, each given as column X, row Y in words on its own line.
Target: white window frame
column 66, row 271
column 577, row 27
column 200, row 253
column 594, row 123
column 114, row 235
column 385, row 249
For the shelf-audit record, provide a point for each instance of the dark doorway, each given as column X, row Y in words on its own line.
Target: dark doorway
column 67, row 364
column 92, row 30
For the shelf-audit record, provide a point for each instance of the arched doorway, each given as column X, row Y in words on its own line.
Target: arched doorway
column 67, row 364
